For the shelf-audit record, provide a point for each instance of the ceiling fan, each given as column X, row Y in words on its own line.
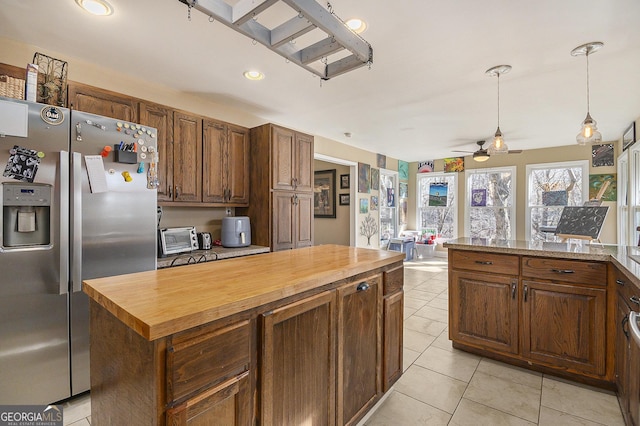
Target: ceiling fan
column 483, row 155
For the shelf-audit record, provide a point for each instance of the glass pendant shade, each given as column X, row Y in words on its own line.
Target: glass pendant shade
column 498, row 146
column 589, row 133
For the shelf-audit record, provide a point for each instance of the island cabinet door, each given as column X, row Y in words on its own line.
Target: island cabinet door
column 359, row 347
column 228, row 404
column 297, row 368
column 564, row 326
column 483, row 310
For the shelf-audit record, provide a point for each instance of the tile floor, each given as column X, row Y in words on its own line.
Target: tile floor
column 444, row 386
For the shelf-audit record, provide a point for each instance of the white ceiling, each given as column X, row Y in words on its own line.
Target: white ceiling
column 426, row 93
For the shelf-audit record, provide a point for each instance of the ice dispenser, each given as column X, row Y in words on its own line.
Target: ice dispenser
column 26, row 214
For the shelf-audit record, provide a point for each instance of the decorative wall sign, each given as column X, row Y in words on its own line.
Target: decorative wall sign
column 345, row 181
column 629, row 136
column 454, row 164
column 403, row 170
column 373, row 204
column 478, row 197
column 554, row 198
column 375, row 179
column 381, row 161
column 602, row 155
column 404, row 190
column 596, row 182
column 22, row 164
column 364, row 205
column 364, row 178
column 324, row 194
column 425, row 166
column 438, row 194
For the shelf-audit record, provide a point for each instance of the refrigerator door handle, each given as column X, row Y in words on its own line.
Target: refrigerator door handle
column 76, row 268
column 64, row 222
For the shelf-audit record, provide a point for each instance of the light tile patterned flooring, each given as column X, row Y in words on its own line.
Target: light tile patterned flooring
column 445, row 386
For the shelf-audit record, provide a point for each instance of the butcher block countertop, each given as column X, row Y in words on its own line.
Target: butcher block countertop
column 159, row 303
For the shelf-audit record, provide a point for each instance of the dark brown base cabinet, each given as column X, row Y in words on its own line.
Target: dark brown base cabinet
column 627, row 350
column 547, row 314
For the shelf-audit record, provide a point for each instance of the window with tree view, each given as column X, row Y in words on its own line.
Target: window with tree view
column 490, row 203
column 550, row 187
column 437, row 203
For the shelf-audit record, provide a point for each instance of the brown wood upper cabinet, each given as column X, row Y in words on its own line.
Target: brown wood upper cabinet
column 292, row 166
column 187, row 157
column 225, row 163
column 82, row 97
column 160, row 117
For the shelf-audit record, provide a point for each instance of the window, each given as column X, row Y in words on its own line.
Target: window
column 550, row 187
column 490, row 202
column 623, row 200
column 437, row 204
column 388, row 207
column 634, row 193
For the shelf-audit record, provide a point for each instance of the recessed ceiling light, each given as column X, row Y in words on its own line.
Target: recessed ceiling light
column 356, row 25
column 96, row 7
column 253, row 75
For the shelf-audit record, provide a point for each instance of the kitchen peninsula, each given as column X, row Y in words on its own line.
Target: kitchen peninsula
column 308, row 335
column 551, row 307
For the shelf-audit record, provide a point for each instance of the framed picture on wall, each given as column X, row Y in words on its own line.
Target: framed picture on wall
column 345, row 199
column 345, row 181
column 629, row 136
column 324, row 194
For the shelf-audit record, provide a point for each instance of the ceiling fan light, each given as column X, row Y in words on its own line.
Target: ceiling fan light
column 481, row 156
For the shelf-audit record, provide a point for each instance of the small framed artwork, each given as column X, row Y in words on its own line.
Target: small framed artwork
column 345, row 181
column 404, row 189
column 602, row 155
column 375, row 179
column 629, row 136
column 324, row 194
column 364, row 205
column 364, row 178
column 403, row 170
column 345, row 199
column 373, row 204
column 478, row 198
column 381, row 161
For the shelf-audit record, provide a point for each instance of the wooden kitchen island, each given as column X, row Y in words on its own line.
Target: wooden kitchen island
column 308, row 336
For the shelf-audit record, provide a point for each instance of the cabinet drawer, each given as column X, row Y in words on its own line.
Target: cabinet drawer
column 485, row 262
column 571, row 271
column 195, row 360
column 393, row 280
column 626, row 288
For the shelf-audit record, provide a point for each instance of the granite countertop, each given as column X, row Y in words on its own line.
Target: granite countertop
column 624, row 257
column 215, row 253
column 159, row 303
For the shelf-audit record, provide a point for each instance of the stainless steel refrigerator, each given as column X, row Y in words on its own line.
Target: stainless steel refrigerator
column 78, row 202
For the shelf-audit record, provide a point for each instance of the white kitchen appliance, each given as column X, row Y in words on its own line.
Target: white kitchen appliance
column 236, row 232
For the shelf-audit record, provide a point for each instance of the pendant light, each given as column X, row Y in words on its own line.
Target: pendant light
column 589, row 132
column 498, row 146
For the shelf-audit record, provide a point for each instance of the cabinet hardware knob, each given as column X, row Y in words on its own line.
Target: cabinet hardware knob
column 563, row 271
column 362, row 287
column 480, row 262
column 620, row 282
column 513, row 290
column 635, row 299
column 526, row 292
column 170, row 191
column 177, row 193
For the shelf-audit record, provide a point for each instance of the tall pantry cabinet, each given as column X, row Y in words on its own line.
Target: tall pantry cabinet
column 281, row 196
